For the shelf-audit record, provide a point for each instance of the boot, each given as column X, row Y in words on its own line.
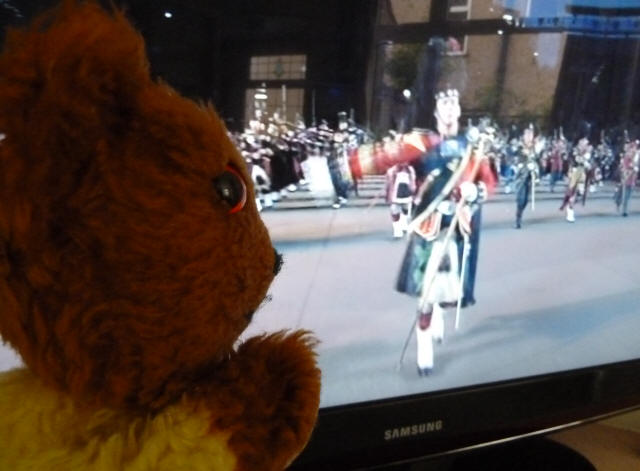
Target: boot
column 425, row 350
column 397, row 229
column 570, row 215
column 404, row 222
column 617, row 198
column 258, row 204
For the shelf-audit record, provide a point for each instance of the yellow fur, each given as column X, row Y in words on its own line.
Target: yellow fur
column 42, row 429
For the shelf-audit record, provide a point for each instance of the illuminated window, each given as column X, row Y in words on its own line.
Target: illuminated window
column 457, row 5
column 287, row 102
column 458, row 10
column 287, row 98
column 290, row 67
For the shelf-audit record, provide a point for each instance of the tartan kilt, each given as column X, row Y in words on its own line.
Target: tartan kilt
column 414, row 265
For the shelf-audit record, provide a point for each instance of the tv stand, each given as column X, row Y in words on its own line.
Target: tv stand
column 531, row 454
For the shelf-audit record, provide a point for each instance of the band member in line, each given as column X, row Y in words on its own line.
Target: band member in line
column 400, row 187
column 628, row 176
column 557, row 157
column 527, row 172
column 578, row 172
column 442, row 251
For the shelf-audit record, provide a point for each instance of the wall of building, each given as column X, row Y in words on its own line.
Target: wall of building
column 532, row 70
column 409, row 11
column 510, row 76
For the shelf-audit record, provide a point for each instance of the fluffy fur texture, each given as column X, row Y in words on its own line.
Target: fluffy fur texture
column 124, row 278
column 62, row 435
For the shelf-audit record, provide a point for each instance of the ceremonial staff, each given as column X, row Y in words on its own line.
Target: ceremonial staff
column 533, row 191
column 466, row 248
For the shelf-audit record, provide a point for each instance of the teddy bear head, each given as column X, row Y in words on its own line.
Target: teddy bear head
column 132, row 255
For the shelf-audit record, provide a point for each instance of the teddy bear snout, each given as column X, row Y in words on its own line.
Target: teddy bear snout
column 277, row 263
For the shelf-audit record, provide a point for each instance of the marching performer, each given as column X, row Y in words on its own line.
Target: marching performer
column 578, row 177
column 338, row 162
column 257, row 159
column 440, row 261
column 628, row 175
column 606, row 157
column 400, row 187
column 510, row 159
column 557, row 157
column 261, row 184
column 527, row 173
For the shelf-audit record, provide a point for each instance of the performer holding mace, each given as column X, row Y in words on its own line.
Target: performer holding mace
column 440, row 262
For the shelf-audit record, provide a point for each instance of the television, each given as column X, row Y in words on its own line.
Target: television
column 324, row 98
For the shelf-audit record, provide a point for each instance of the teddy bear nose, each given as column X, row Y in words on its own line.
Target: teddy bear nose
column 277, row 263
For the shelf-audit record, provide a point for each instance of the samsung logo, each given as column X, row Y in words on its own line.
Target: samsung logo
column 412, row 430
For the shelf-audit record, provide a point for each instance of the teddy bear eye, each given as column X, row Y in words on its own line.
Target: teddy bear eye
column 231, row 188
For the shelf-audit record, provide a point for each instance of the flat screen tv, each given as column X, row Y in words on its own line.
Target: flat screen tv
column 345, row 111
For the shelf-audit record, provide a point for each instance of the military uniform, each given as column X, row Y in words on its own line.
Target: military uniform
column 433, row 262
column 578, row 173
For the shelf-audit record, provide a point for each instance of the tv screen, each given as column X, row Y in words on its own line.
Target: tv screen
column 453, row 188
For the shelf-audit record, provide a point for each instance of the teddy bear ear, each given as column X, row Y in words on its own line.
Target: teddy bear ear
column 77, row 60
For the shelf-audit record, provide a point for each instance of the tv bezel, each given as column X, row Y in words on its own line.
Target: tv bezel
column 352, row 436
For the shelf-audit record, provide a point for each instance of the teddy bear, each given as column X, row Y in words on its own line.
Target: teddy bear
column 132, row 257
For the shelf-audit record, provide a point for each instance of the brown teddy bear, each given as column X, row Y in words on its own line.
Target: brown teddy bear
column 132, row 257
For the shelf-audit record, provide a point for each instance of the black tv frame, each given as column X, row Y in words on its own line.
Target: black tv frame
column 363, row 435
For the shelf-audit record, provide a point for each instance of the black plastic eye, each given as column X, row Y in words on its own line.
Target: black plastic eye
column 231, row 188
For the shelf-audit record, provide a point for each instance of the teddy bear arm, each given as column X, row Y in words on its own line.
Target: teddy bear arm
column 268, row 398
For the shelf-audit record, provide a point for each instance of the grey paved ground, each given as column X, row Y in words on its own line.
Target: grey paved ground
column 551, row 296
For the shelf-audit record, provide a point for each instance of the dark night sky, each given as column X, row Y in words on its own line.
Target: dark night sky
column 204, row 48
